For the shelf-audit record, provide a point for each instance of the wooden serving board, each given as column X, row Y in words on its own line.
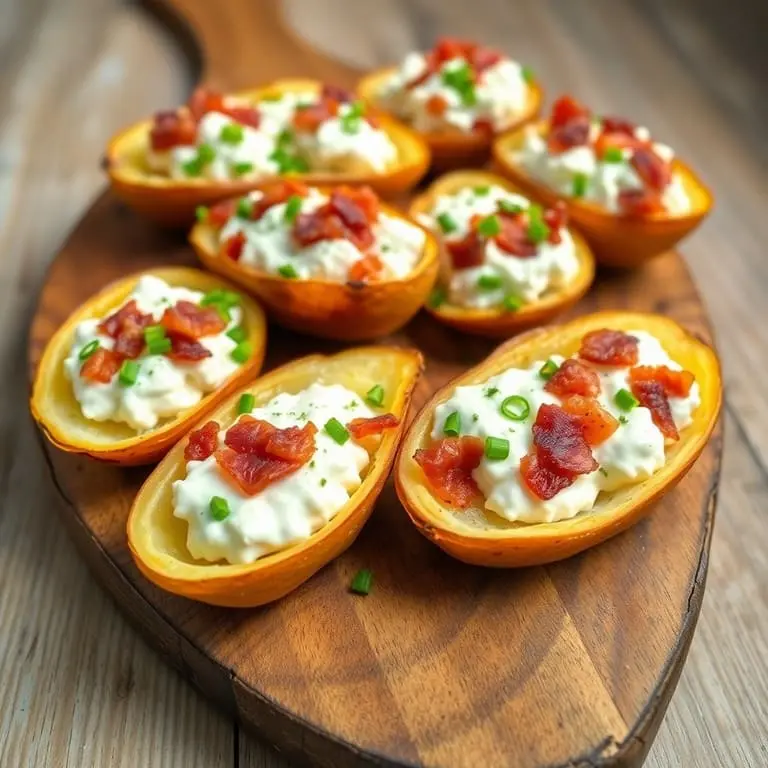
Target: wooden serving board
column 443, row 664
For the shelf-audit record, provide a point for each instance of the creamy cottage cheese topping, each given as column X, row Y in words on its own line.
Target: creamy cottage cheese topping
column 269, row 244
column 286, row 511
column 501, row 274
column 633, row 453
column 162, row 387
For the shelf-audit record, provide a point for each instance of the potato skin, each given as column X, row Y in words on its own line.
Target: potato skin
column 157, row 540
column 342, row 311
column 453, row 148
column 171, row 202
column 58, row 414
column 493, row 322
column 617, row 240
column 497, row 543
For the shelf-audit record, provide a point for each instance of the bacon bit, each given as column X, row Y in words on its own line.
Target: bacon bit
column 336, row 93
column 101, row 366
column 204, row 100
column 540, row 481
column 448, row 466
column 574, row 378
column 608, row 347
column 202, row 442
column 640, row 202
column 651, row 394
column 190, row 320
column 360, row 428
column 310, row 118
column 244, row 114
column 186, row 350
column 468, row 252
column 568, row 125
column 172, row 129
column 366, row 269
column 675, row 383
column 484, row 126
column 655, row 172
column 618, row 125
column 276, row 193
column 233, row 246
column 436, row 105
column 126, row 327
column 513, row 237
column 556, row 218
column 597, row 425
column 258, row 453
column 220, row 213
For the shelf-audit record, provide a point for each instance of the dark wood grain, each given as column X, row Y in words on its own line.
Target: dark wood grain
column 572, row 664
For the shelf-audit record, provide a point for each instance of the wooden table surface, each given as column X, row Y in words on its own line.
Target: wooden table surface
column 79, row 688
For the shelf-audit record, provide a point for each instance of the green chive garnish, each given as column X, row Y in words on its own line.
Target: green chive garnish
column 201, row 213
column 221, row 296
column 154, row 332
column 192, row 167
column 507, row 206
column 548, row 370
column 625, row 400
column 447, row 223
column 128, row 373
column 206, row 154
column 538, row 231
column 292, row 208
column 361, row 584
column 482, row 190
column 437, row 297
column 240, row 169
column 284, row 138
column 496, row 448
column 244, row 208
column 159, row 346
column 241, row 352
column 452, row 426
column 461, row 80
column 288, row 163
column 237, row 334
column 245, row 403
column 232, row 133
column 89, row 349
column 489, row 282
column 527, row 74
column 613, row 155
column 515, row 407
column 288, row 271
column 580, row 182
column 375, row 395
column 490, row 226
column 337, row 431
column 512, row 303
column 219, row 508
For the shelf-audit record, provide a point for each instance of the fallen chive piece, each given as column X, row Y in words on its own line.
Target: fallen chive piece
column 154, row 332
column 548, row 370
column 241, row 352
column 613, row 155
column 89, row 349
column 496, row 448
column 237, row 334
column 527, row 74
column 625, row 400
column 201, row 213
column 159, row 346
column 219, row 508
column 375, row 395
column 245, row 403
column 128, row 373
column 512, row 303
column 337, row 431
column 288, row 271
column 515, row 407
column 490, row 226
column 579, row 185
column 241, row 169
column 507, row 206
column 489, row 282
column 292, row 208
column 361, row 584
column 482, row 190
column 206, row 154
column 244, row 208
column 232, row 133
column 447, row 223
column 452, row 426
column 437, row 297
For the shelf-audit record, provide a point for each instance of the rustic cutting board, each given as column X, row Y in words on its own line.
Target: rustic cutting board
column 443, row 664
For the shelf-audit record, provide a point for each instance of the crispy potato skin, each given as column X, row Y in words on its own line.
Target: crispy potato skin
column 492, row 322
column 617, row 240
column 58, row 413
column 491, row 541
column 452, row 148
column 325, row 308
column 157, row 539
column 172, row 202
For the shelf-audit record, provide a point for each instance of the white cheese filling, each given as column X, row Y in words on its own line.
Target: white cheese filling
column 529, row 278
column 270, row 247
column 500, row 95
column 604, row 180
column 289, row 510
column 163, row 387
column 633, row 453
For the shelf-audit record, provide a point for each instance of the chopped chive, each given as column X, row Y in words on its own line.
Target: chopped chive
column 287, row 162
column 489, row 282
column 437, row 297
column 292, row 208
column 237, row 334
column 323, row 482
column 206, row 154
column 288, row 271
column 240, row 169
column 623, row 419
column 221, row 296
column 245, row 403
column 241, row 352
column 201, row 213
column 613, row 155
column 496, row 448
column 548, row 370
column 515, row 407
column 490, row 226
column 232, row 133
column 507, row 206
column 452, row 425
column 128, row 373
column 159, row 346
column 219, row 508
column 527, row 74
column 461, row 80
column 192, row 167
column 625, row 400
column 244, row 208
column 362, row 582
column 580, row 182
column 375, row 395
column 89, row 349
column 154, row 332
column 491, row 391
column 482, row 190
column 337, row 431
column 284, row 137
column 512, row 303
column 538, row 231
column 447, row 223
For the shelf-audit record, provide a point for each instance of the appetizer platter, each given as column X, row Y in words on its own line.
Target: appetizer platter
column 419, row 483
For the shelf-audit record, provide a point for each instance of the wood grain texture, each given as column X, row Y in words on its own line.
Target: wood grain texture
column 718, row 715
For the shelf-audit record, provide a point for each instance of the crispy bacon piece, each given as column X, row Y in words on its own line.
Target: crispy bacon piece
column 336, row 93
column 436, row 105
column 650, row 394
column 331, row 97
column 467, row 252
column 126, row 327
column 220, row 213
column 574, row 378
column 244, row 114
column 101, row 366
column 360, row 428
column 193, row 321
column 186, row 350
column 233, row 246
column 556, row 218
column 204, row 100
column 484, row 126
column 202, row 442
column 568, row 125
column 540, row 481
column 676, row 383
column 172, row 129
column 448, row 466
column 275, row 194
column 609, row 347
column 655, row 172
column 597, row 425
column 640, row 202
column 366, row 269
column 258, row 453
column 618, row 125
column 513, row 238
